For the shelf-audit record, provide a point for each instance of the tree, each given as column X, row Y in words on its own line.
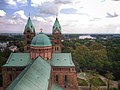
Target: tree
column 81, row 56
column 93, row 80
column 96, row 46
column 109, row 77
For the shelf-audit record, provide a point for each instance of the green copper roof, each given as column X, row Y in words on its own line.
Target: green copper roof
column 56, row 26
column 41, row 40
column 18, row 59
column 34, row 77
column 29, row 25
column 61, row 59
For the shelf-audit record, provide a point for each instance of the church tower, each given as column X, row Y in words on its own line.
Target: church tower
column 29, row 33
column 56, row 36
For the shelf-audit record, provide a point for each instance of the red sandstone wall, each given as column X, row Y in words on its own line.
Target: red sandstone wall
column 26, row 38
column 56, row 41
column 71, row 77
column 44, row 52
column 7, row 71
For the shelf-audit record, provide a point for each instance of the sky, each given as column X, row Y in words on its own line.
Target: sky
column 75, row 16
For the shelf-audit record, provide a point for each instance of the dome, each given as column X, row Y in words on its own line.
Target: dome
column 41, row 40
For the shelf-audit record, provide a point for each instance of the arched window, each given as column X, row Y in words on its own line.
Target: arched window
column 56, row 78
column 28, row 31
column 28, row 36
column 10, row 77
column 57, row 48
column 28, row 42
column 65, row 79
column 28, row 48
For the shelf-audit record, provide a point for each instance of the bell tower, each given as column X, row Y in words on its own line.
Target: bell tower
column 29, row 33
column 56, row 37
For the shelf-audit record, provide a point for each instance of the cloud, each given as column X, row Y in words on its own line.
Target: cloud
column 68, row 11
column 2, row 13
column 49, row 8
column 115, row 0
column 19, row 14
column 39, row 19
column 112, row 15
column 37, row 3
column 63, row 1
column 11, row 2
column 22, row 1
column 75, row 16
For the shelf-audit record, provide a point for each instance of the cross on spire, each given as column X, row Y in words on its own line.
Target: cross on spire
column 41, row 29
column 56, row 14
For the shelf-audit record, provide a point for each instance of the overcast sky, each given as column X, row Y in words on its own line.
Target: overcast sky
column 75, row 16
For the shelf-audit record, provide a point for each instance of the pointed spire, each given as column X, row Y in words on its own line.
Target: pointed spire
column 29, row 25
column 56, row 25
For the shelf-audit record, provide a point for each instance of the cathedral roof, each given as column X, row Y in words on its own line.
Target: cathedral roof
column 23, row 59
column 34, row 77
column 29, row 25
column 61, row 59
column 37, row 73
column 56, row 26
column 18, row 59
column 41, row 40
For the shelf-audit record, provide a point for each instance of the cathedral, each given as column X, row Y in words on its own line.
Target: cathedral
column 42, row 66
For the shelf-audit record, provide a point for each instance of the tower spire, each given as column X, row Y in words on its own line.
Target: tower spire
column 56, row 25
column 56, row 36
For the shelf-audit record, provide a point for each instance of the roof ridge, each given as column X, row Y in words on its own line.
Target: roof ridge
column 70, row 59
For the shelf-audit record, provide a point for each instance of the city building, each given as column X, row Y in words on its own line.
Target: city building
column 42, row 66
